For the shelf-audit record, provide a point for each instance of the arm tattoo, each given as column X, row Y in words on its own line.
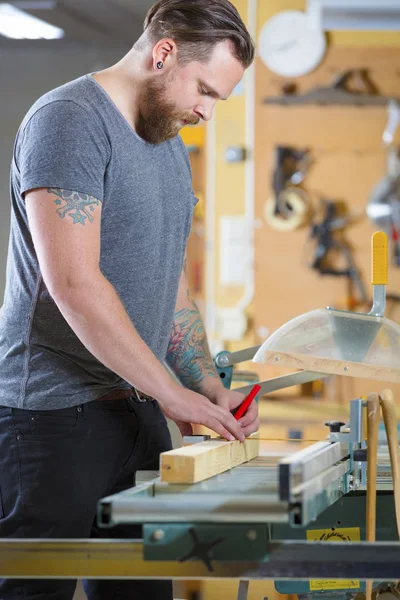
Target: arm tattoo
column 188, row 354
column 78, row 206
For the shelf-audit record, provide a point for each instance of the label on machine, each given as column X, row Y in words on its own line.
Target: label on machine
column 349, row 534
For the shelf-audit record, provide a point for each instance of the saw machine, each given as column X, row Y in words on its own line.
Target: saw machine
column 279, row 513
column 298, row 518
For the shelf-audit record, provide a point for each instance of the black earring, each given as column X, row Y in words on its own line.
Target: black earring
column 160, row 65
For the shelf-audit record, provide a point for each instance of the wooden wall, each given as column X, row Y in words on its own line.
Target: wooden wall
column 349, row 159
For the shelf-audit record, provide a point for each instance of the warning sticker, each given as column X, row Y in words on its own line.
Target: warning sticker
column 349, row 534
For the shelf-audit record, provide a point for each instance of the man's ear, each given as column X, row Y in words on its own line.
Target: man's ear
column 165, row 54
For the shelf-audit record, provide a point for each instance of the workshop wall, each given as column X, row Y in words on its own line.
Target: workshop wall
column 349, row 159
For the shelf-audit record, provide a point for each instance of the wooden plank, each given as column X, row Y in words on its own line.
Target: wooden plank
column 198, row 462
column 333, row 367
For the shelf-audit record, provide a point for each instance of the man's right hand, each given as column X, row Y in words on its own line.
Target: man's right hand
column 185, row 406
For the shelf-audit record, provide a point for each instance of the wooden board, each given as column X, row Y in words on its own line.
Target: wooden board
column 198, row 462
column 333, row 367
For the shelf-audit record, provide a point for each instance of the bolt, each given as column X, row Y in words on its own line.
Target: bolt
column 158, row 535
column 252, row 535
column 223, row 361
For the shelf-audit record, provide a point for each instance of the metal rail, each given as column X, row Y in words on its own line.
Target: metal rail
column 114, row 559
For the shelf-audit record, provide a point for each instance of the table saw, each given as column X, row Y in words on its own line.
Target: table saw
column 273, row 518
column 278, row 513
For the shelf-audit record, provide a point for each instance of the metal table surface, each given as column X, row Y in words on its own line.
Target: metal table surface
column 228, row 497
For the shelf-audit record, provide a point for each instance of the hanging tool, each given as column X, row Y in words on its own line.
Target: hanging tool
column 328, row 238
column 340, row 342
column 349, row 88
column 288, row 208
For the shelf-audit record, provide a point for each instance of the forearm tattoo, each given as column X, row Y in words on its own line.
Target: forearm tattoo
column 78, row 206
column 188, row 353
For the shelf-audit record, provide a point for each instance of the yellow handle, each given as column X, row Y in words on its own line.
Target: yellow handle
column 379, row 258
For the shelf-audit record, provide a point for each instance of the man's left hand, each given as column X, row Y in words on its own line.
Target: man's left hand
column 231, row 400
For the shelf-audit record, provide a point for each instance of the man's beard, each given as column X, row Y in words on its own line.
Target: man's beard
column 160, row 120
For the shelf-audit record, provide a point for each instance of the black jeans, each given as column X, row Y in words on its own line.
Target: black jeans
column 54, row 467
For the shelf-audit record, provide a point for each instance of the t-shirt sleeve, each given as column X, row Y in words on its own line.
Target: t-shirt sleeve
column 63, row 147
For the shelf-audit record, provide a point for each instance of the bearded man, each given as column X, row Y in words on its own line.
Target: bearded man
column 96, row 298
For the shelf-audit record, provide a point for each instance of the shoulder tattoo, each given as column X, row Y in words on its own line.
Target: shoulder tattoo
column 78, row 206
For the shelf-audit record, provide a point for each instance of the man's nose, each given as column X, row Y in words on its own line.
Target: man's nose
column 205, row 112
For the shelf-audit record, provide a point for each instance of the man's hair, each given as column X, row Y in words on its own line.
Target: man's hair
column 197, row 26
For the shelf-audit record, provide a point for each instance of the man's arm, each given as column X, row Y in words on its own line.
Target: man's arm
column 188, row 353
column 190, row 359
column 68, row 251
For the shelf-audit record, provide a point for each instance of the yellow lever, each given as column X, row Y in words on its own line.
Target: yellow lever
column 379, row 258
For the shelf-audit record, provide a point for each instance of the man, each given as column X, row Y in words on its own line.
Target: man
column 96, row 297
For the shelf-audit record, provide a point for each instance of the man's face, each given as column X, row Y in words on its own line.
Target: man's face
column 187, row 94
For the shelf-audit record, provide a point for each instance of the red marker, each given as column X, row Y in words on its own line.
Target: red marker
column 247, row 401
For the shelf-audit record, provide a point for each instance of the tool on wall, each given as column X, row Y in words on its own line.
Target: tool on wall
column 383, row 207
column 331, row 246
column 352, row 88
column 288, row 208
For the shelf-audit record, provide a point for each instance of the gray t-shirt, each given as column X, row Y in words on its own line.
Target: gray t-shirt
column 75, row 138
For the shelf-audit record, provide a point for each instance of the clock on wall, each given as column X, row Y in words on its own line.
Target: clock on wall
column 291, row 44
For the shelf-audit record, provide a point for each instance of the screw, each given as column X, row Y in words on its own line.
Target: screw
column 158, row 535
column 252, row 535
column 346, row 368
column 223, row 361
column 277, row 359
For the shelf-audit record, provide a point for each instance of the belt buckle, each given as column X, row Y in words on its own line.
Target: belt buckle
column 139, row 398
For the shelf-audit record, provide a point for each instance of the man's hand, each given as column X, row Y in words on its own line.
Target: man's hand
column 187, row 407
column 229, row 399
